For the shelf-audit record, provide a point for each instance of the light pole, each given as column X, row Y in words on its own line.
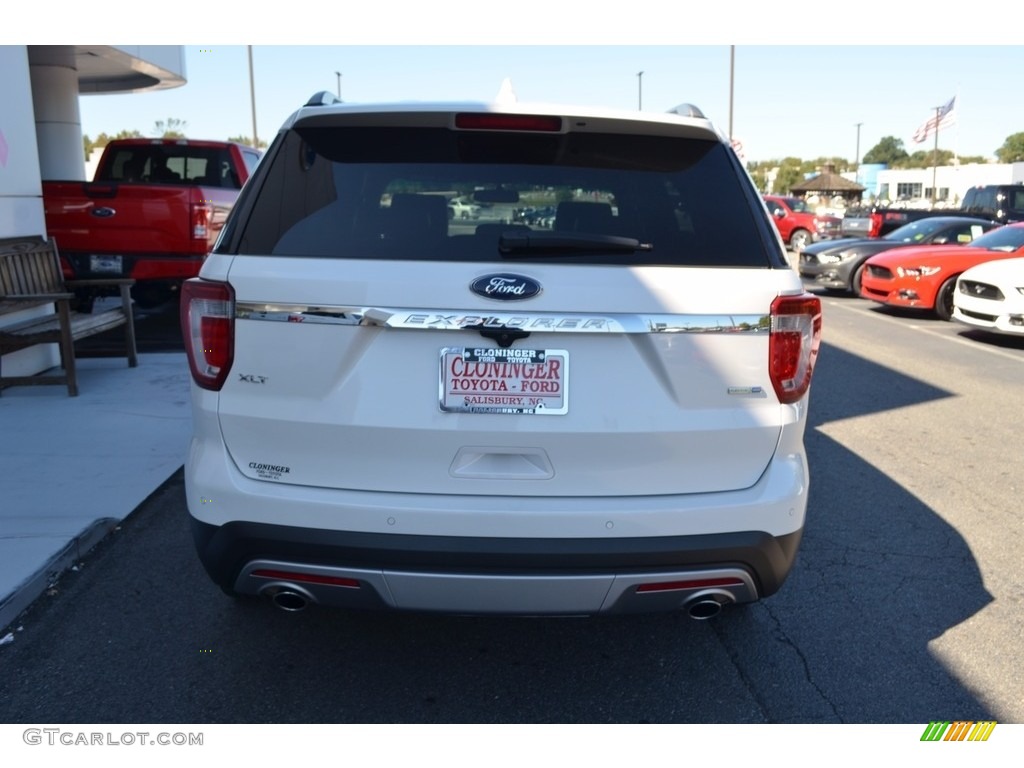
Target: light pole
column 339, row 85
column 935, row 154
column 639, row 90
column 252, row 96
column 732, row 70
column 856, row 156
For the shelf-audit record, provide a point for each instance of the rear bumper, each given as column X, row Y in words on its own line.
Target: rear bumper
column 141, row 267
column 478, row 575
column 480, row 554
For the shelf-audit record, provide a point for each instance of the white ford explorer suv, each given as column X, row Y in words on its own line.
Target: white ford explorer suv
column 397, row 410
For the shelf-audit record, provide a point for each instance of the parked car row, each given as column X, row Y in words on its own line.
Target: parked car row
column 543, row 217
column 799, row 226
column 841, row 264
column 968, row 270
column 926, row 278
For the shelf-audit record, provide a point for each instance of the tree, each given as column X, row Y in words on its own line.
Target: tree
column 841, row 165
column 247, row 141
column 888, row 151
column 102, row 140
column 923, row 159
column 759, row 174
column 171, row 128
column 1012, row 150
column 788, row 176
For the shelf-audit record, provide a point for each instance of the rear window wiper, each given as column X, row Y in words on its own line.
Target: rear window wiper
column 514, row 244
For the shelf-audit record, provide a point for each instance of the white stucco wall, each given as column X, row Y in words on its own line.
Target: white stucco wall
column 21, row 192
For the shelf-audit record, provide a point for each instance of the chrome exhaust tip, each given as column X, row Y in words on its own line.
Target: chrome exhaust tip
column 707, row 605
column 290, row 601
column 288, row 597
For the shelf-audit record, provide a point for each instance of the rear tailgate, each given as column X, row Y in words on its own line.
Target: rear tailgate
column 662, row 391
column 635, row 356
column 121, row 218
column 856, row 226
column 144, row 231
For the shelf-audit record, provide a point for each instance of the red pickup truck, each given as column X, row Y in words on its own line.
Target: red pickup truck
column 152, row 212
column 798, row 225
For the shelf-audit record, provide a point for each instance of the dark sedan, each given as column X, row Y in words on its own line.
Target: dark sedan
column 839, row 264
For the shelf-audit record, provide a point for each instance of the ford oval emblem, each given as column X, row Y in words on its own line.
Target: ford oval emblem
column 103, row 213
column 505, row 287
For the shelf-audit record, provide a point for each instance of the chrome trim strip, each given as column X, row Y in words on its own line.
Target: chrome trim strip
column 457, row 320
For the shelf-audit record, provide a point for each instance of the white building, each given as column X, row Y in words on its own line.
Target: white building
column 41, row 134
column 951, row 181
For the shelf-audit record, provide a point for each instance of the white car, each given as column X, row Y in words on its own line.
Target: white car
column 990, row 296
column 602, row 417
column 461, row 209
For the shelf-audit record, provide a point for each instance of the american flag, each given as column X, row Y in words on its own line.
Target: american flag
column 945, row 118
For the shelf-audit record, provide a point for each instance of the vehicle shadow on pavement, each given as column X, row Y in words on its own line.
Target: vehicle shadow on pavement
column 879, row 576
column 994, row 340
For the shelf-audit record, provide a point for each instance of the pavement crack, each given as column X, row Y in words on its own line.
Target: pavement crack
column 784, row 638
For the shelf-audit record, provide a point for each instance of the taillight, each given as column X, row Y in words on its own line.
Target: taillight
column 876, row 224
column 200, row 224
column 208, row 327
column 793, row 344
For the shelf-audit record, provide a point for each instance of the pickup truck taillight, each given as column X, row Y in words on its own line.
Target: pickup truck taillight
column 876, row 225
column 200, row 220
column 793, row 344
column 208, row 327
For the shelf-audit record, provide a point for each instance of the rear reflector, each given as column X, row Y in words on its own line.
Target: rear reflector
column 208, row 327
column 492, row 122
column 668, row 586
column 793, row 344
column 306, row 578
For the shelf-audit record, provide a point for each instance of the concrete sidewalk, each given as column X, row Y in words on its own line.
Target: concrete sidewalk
column 71, row 468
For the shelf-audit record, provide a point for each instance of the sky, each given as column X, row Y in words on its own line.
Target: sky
column 787, row 100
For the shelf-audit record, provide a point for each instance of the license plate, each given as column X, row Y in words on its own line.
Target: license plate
column 486, row 380
column 107, row 265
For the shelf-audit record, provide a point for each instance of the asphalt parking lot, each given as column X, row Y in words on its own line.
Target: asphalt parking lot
column 903, row 607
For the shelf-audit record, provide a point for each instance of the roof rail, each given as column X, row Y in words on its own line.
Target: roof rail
column 322, row 99
column 687, row 110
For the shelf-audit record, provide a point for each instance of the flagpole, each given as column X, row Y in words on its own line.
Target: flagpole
column 935, row 155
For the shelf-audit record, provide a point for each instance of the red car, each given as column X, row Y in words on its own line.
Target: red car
column 924, row 278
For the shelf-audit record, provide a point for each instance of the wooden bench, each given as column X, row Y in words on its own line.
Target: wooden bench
column 30, row 276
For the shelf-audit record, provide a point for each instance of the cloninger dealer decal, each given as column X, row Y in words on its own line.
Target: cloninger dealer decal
column 269, row 471
column 504, row 380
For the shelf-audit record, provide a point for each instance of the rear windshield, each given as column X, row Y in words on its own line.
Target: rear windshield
column 437, row 194
column 169, row 164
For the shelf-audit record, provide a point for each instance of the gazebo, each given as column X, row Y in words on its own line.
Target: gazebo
column 829, row 184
